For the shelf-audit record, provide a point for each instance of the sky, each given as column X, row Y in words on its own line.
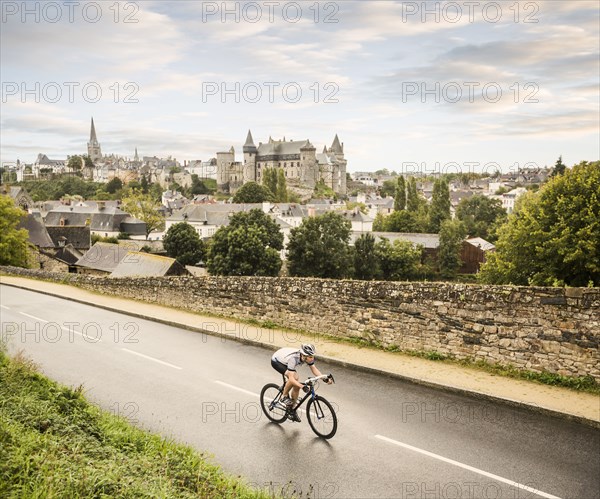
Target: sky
column 409, row 86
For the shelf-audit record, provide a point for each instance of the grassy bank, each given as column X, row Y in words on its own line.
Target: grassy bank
column 53, row 443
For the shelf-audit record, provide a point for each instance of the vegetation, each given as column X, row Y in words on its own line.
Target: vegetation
column 183, row 243
column 53, row 443
column 397, row 261
column 322, row 191
column 552, row 238
column 143, row 207
column 319, row 247
column 400, row 194
column 251, row 192
column 13, row 241
column 45, row 190
column 365, row 258
column 482, row 216
column 452, row 235
column 249, row 246
column 440, row 205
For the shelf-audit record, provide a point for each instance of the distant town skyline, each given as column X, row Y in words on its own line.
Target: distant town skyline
column 408, row 86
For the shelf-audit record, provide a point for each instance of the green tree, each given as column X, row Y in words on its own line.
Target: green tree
column 552, row 237
column 198, row 187
column 13, row 241
column 281, row 194
column 323, row 191
column 146, row 185
column 388, row 188
column 402, row 221
column 113, row 185
column 440, row 205
column 75, row 163
column 481, row 215
column 319, row 247
column 379, row 223
column 183, row 243
column 365, row 258
column 452, row 235
column 559, row 167
column 145, row 208
column 398, row 261
column 413, row 202
column 400, row 194
column 249, row 245
column 269, row 181
column 251, row 192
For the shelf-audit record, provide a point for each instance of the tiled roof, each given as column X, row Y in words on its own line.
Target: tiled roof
column 38, row 235
column 76, row 235
column 147, row 265
column 102, row 256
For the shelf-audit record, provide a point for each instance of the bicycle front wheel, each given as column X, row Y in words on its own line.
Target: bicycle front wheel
column 321, row 417
column 269, row 401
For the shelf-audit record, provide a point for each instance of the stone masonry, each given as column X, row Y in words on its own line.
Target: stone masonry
column 539, row 329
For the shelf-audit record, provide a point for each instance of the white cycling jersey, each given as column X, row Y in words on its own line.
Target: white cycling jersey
column 290, row 357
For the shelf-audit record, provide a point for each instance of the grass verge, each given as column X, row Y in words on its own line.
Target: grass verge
column 53, row 443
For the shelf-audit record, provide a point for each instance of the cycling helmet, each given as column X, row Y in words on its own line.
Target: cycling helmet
column 308, row 349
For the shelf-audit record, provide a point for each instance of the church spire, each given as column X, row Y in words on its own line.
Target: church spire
column 93, row 133
column 336, row 147
column 249, row 145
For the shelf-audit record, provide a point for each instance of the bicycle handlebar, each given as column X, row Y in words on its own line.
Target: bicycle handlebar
column 312, row 381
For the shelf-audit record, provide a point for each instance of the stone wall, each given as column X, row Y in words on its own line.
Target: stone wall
column 541, row 329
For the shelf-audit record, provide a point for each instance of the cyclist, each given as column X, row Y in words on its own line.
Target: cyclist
column 285, row 361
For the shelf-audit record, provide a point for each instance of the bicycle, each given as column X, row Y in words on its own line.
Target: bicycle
column 319, row 412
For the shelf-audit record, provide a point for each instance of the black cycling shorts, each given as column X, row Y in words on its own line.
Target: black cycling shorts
column 278, row 366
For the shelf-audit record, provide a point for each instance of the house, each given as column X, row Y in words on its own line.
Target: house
column 103, row 221
column 139, row 264
column 101, row 259
column 20, row 196
column 473, row 254
column 360, row 221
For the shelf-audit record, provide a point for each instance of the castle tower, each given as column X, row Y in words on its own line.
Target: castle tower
column 309, row 169
column 249, row 159
column 339, row 168
column 225, row 162
column 93, row 146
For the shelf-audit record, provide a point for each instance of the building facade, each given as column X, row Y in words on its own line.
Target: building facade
column 299, row 160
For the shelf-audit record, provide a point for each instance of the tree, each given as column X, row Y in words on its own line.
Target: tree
column 481, row 215
column 198, row 187
column 145, row 208
column 559, row 167
column 319, row 247
column 552, row 237
column 13, row 241
column 145, row 185
column 251, row 192
column 452, row 235
column 413, row 202
column 113, row 185
column 281, row 194
column 440, row 205
column 388, row 188
column 398, row 261
column 400, row 194
column 75, row 163
column 365, row 258
column 402, row 221
column 183, row 243
column 249, row 245
column 379, row 223
column 269, row 181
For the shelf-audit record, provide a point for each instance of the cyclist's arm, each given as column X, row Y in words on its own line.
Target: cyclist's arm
column 315, row 371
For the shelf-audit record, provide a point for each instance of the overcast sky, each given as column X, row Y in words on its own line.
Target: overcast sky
column 462, row 84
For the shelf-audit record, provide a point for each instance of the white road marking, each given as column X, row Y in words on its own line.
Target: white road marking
column 89, row 338
column 151, row 358
column 248, row 392
column 467, row 467
column 5, row 307
column 33, row 317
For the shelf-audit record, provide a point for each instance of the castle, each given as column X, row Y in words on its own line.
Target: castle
column 299, row 160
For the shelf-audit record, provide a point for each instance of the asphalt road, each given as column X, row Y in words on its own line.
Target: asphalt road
column 395, row 439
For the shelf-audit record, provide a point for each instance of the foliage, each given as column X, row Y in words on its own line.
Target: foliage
column 482, row 216
column 54, row 443
column 45, row 190
column 281, row 195
column 13, row 241
column 552, row 238
column 402, row 221
column 249, row 245
column 440, row 205
column 452, row 235
column 319, row 247
column 251, row 192
column 143, row 207
column 113, row 185
column 96, row 238
column 183, row 243
column 388, row 188
column 400, row 260
column 75, row 163
column 379, row 223
column 400, row 194
column 198, row 186
column 361, row 206
column 365, row 258
column 559, row 167
column 323, row 191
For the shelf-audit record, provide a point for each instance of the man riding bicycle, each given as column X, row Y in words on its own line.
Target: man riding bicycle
column 285, row 361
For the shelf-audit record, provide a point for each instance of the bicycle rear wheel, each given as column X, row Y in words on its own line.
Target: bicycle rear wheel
column 321, row 417
column 269, row 401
